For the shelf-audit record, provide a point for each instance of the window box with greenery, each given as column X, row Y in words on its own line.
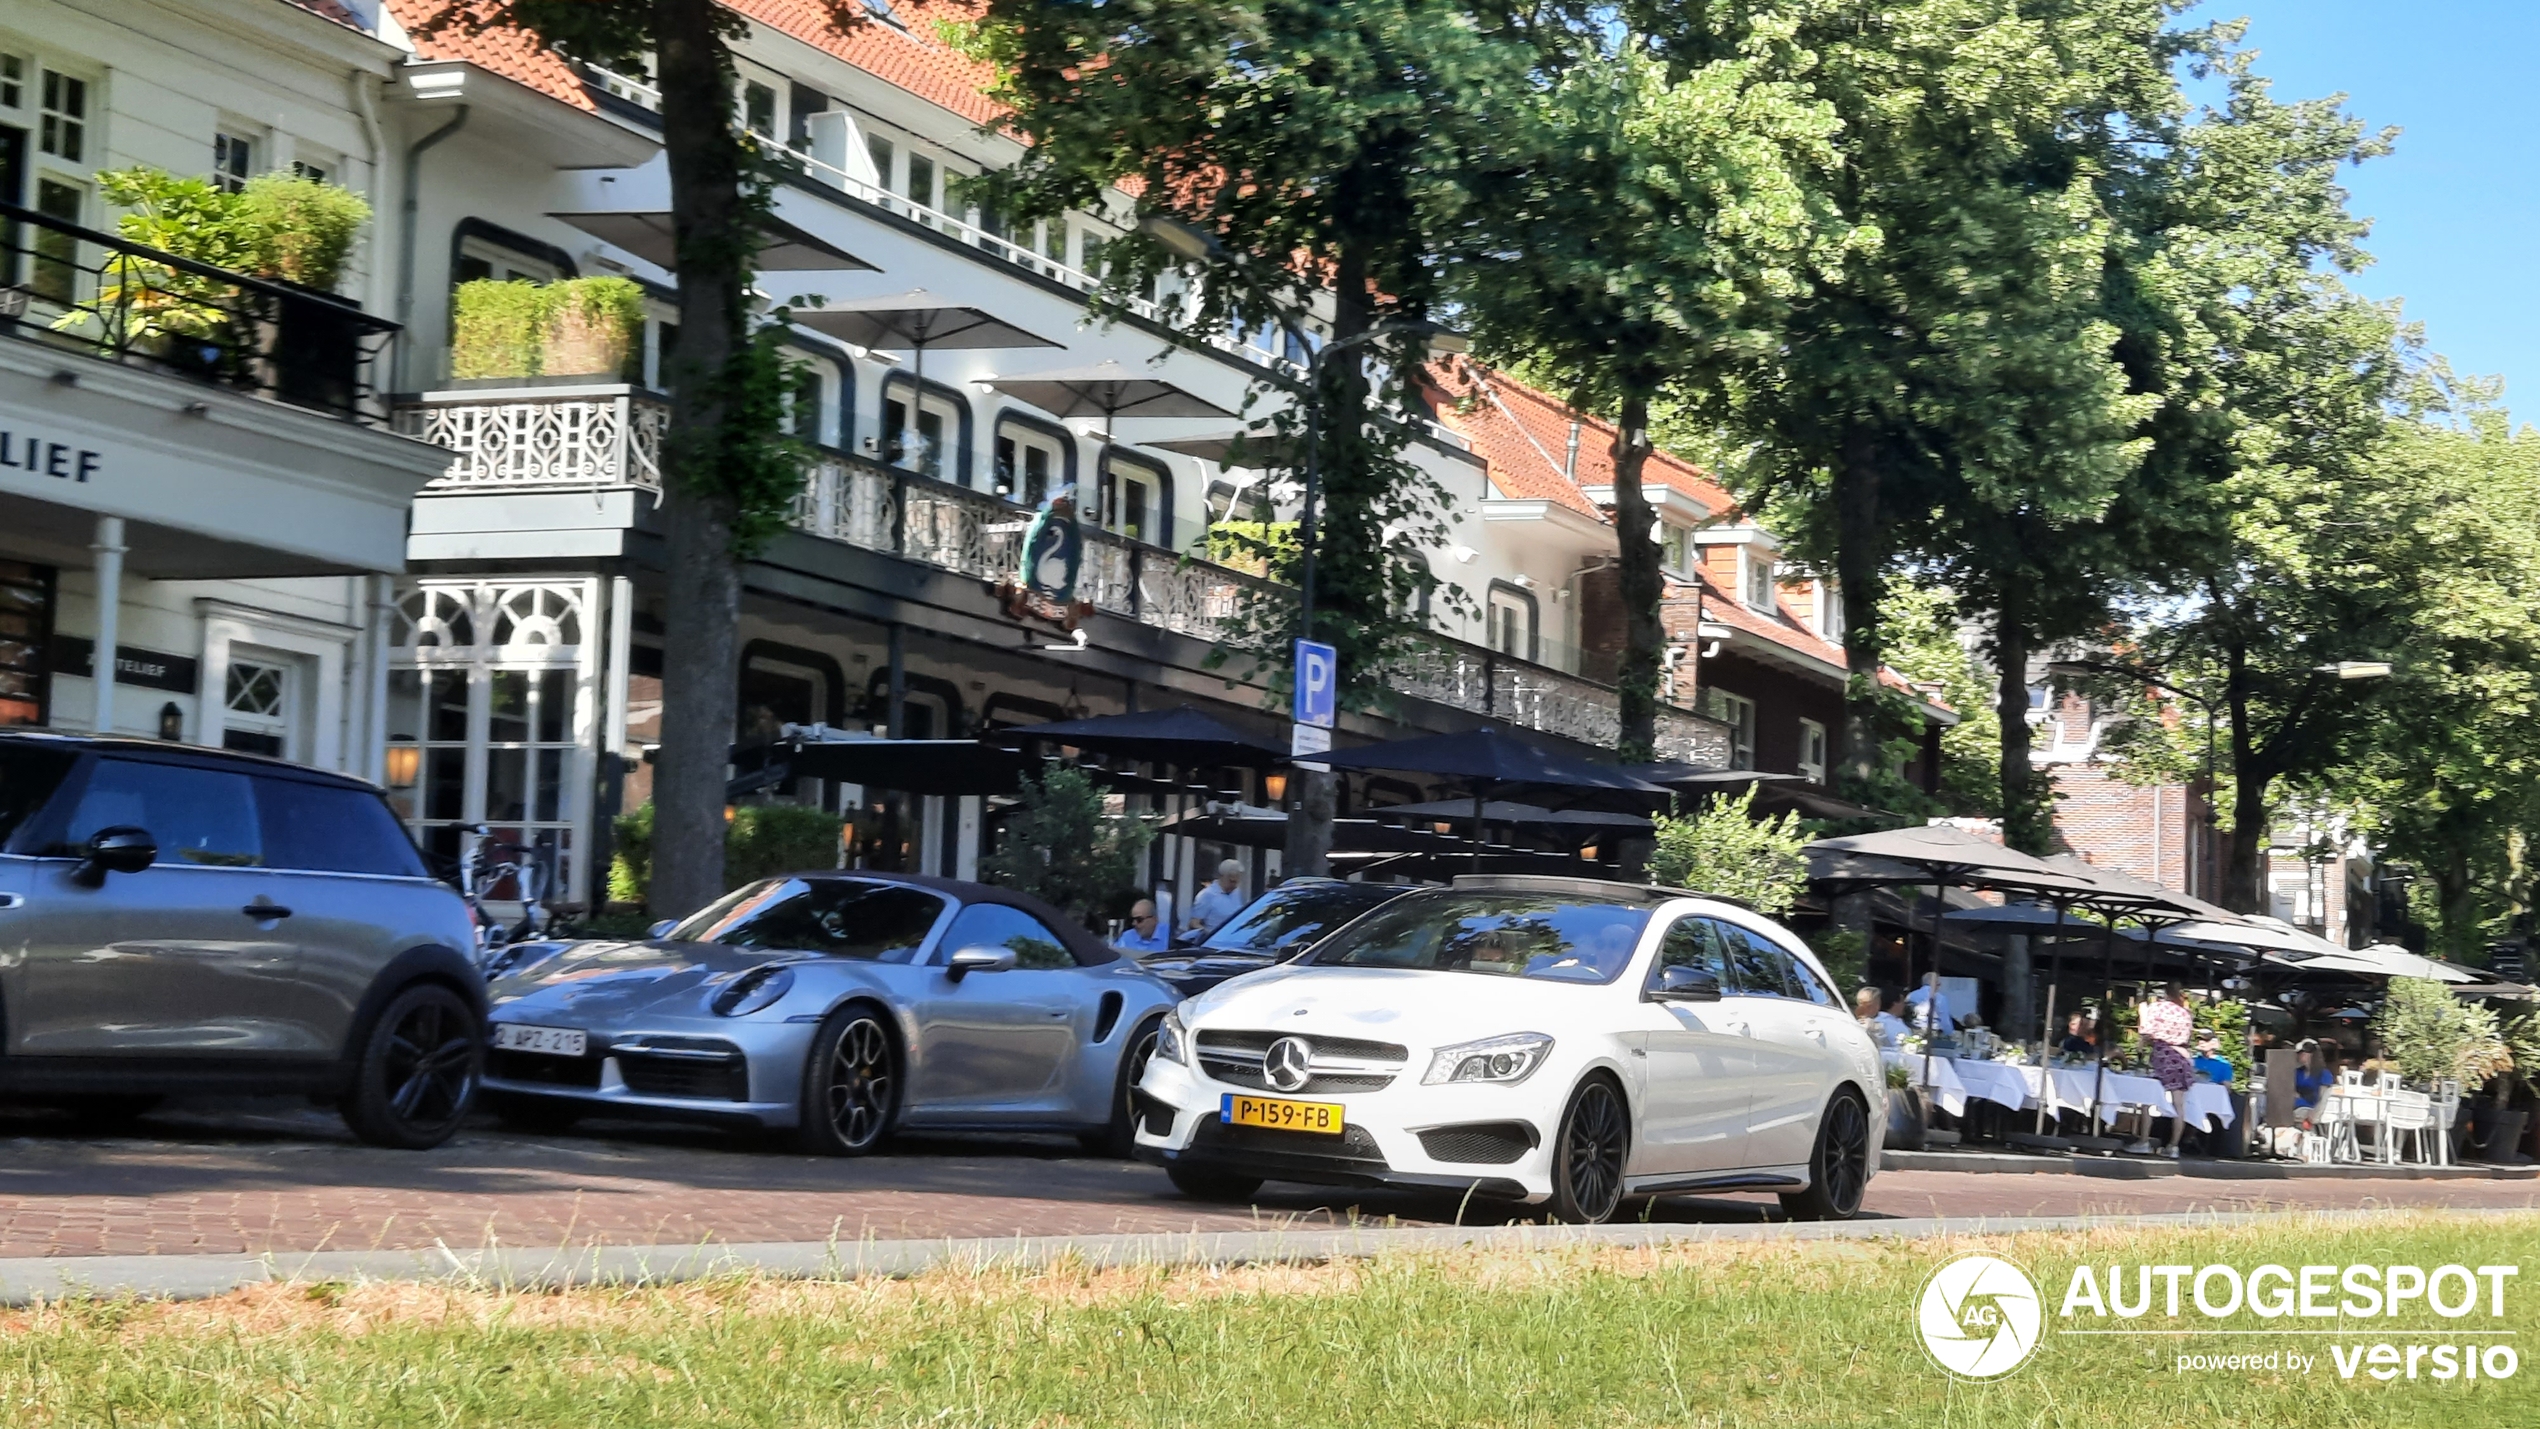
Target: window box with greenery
column 579, row 327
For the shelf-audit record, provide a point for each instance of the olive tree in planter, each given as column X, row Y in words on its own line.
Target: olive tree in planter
column 2433, row 1037
column 1063, row 844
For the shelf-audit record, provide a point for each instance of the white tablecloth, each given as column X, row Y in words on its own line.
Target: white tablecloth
column 1951, row 1082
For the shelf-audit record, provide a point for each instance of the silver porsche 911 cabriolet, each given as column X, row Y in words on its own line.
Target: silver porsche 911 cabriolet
column 841, row 1006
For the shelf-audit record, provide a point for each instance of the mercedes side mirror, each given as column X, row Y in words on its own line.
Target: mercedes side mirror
column 1683, row 984
column 979, row 960
column 121, row 849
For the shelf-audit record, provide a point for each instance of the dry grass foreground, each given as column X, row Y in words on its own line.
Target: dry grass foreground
column 1695, row 1334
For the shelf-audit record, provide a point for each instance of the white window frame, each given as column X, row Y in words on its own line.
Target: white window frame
column 233, row 157
column 1027, row 440
column 947, row 462
column 18, row 81
column 1116, row 474
column 1755, row 569
column 509, row 264
column 1677, row 553
column 1738, row 713
column 1828, row 600
column 1812, row 737
column 317, row 651
column 83, row 160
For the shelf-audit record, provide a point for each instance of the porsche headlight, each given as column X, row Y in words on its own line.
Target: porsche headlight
column 1493, row 1059
column 754, row 991
column 1172, row 1039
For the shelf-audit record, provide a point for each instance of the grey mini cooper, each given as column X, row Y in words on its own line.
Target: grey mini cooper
column 839, row 1007
column 186, row 920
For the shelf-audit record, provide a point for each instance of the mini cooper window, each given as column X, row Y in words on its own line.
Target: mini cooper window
column 196, row 815
column 836, row 917
column 1503, row 934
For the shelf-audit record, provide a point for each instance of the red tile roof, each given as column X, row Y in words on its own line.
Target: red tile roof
column 512, row 53
column 915, row 58
column 1528, row 431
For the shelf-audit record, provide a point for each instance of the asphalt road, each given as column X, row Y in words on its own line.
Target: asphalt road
column 281, row 1176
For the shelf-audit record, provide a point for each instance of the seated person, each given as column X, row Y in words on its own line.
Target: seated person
column 1145, row 933
column 1890, row 1023
column 2312, row 1078
column 2076, row 1041
column 2210, row 1062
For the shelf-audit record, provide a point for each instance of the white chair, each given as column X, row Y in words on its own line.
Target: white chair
column 2408, row 1114
column 2315, row 1149
column 2447, row 1114
column 2334, row 1124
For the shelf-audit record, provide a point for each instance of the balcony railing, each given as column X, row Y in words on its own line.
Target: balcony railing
column 92, row 292
column 597, row 438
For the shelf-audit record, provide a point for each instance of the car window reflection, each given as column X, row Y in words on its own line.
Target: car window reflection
column 834, row 917
column 1506, row 935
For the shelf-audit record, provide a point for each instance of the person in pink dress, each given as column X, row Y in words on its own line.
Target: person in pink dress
column 2166, row 1025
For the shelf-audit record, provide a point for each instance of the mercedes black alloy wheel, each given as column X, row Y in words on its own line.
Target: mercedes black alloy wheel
column 1587, row 1162
column 1839, row 1169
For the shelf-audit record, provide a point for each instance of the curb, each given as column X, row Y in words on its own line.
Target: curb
column 193, row 1277
column 2135, row 1168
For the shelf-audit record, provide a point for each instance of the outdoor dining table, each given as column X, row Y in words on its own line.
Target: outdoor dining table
column 1952, row 1081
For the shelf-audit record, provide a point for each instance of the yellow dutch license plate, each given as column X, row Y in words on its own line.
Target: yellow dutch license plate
column 1322, row 1118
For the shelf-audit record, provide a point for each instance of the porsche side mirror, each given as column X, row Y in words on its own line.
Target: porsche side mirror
column 979, row 960
column 121, row 849
column 1683, row 984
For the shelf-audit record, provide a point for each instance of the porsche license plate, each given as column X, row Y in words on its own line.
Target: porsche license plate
column 554, row 1041
column 1321, row 1118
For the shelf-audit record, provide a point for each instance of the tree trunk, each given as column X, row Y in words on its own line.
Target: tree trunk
column 700, row 678
column 1643, row 589
column 1860, row 551
column 2024, row 824
column 1342, row 397
column 2244, row 857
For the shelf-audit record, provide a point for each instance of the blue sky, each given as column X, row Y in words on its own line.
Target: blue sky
column 2456, row 209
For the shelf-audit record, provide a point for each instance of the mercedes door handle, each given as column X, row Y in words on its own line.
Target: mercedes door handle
column 12, row 900
column 264, row 911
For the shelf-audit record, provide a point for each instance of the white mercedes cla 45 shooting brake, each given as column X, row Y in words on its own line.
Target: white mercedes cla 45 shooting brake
column 1539, row 1039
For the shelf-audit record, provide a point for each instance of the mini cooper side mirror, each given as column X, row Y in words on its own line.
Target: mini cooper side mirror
column 1683, row 984
column 979, row 960
column 121, row 849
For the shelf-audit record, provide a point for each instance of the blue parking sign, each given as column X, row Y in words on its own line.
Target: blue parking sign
column 1318, row 683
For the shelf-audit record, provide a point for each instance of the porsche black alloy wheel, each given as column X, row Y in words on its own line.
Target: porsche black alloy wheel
column 418, row 1070
column 1587, row 1162
column 851, row 1087
column 1120, row 1137
column 1839, row 1169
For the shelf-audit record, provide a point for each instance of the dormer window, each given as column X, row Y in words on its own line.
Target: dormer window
column 1829, row 606
column 1755, row 585
column 1675, row 548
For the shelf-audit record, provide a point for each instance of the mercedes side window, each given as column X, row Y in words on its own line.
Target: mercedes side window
column 195, row 815
column 331, row 828
column 994, row 925
column 1755, row 964
column 1692, row 943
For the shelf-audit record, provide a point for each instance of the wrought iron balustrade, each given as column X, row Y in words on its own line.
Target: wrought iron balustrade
column 76, row 288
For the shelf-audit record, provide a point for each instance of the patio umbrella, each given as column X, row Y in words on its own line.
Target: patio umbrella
column 1181, row 736
column 1249, row 450
column 2379, row 960
column 915, row 766
column 1938, row 854
column 1503, row 811
column 1693, row 778
column 648, row 235
column 1489, row 759
column 1106, row 390
column 916, row 320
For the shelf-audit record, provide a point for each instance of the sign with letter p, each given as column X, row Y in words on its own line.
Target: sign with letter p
column 1318, row 683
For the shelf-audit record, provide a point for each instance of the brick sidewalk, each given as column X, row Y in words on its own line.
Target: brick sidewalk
column 289, row 1180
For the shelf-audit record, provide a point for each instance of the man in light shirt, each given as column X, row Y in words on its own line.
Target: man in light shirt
column 1220, row 900
column 1145, row 933
column 1931, row 1005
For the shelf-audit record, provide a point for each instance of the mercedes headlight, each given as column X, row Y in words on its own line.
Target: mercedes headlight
column 754, row 991
column 1173, row 1040
column 1493, row 1059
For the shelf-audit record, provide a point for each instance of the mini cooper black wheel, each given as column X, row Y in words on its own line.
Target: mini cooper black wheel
column 1587, row 1160
column 851, row 1085
column 1120, row 1137
column 417, row 1074
column 1839, row 1169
